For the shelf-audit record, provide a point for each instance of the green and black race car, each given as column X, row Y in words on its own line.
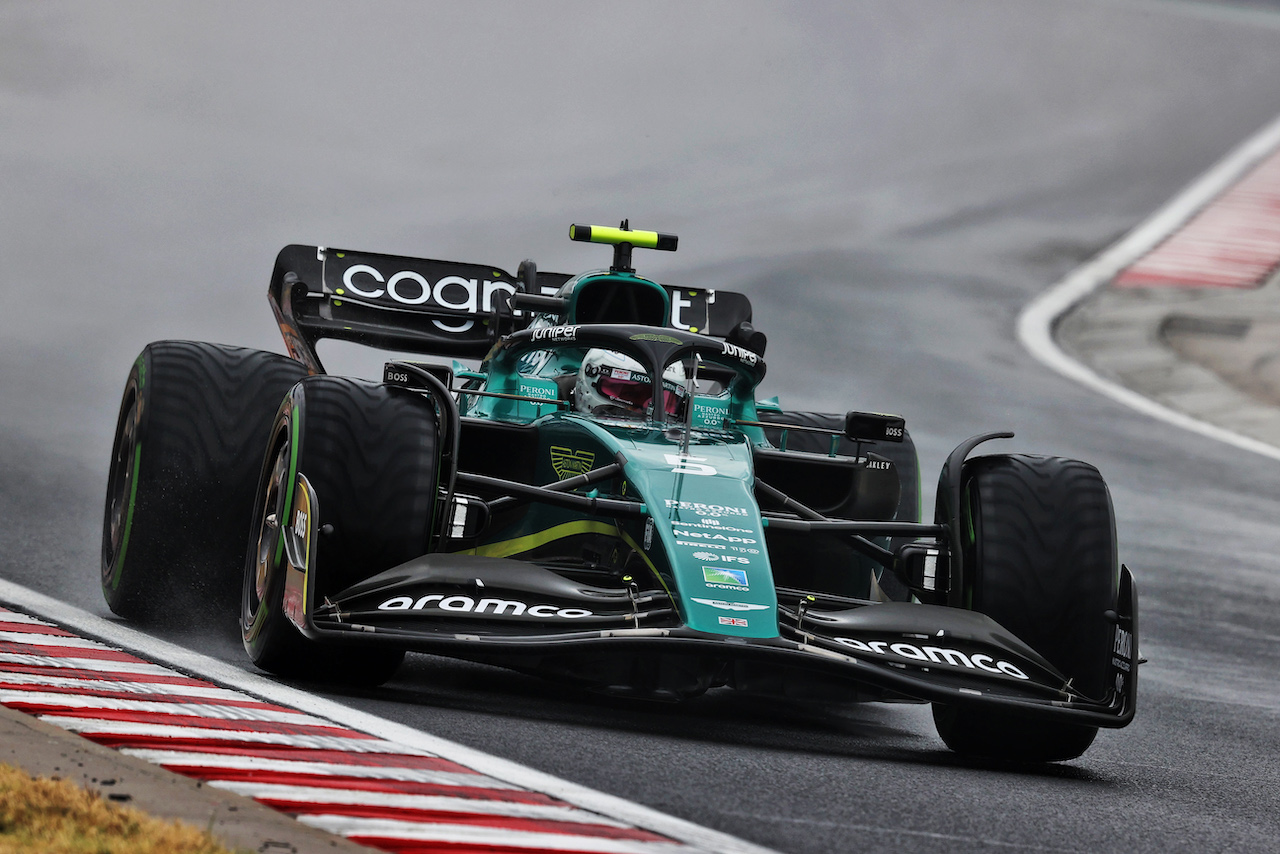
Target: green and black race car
column 604, row 502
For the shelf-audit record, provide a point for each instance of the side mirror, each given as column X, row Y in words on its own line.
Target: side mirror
column 874, row 427
column 747, row 337
column 468, row 517
column 405, row 374
column 527, row 274
column 925, row 568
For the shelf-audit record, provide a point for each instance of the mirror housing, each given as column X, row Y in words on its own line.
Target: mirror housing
column 874, row 427
column 746, row 336
column 527, row 277
column 394, row 373
column 925, row 568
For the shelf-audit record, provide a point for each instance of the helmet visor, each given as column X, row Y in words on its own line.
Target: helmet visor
column 636, row 391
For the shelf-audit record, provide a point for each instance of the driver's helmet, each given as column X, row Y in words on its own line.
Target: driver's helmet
column 610, row 383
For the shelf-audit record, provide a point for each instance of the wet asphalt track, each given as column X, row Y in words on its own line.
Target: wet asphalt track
column 890, row 182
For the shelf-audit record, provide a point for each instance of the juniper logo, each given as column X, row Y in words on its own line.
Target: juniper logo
column 741, row 353
column 557, row 333
column 731, row 577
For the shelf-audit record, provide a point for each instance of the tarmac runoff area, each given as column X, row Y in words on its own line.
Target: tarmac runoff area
column 1184, row 314
column 1181, row 319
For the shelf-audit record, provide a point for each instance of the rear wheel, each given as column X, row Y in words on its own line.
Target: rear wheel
column 370, row 454
column 193, row 420
column 1040, row 554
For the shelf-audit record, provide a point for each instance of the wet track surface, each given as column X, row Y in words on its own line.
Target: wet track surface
column 889, row 182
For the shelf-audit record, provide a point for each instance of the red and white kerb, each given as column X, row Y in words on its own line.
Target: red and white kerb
column 1233, row 242
column 375, row 792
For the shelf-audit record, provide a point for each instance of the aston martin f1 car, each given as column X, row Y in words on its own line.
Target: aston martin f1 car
column 597, row 497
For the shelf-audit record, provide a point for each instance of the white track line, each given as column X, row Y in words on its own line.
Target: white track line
column 479, row 835
column 148, row 729
column 1035, row 325
column 28, row 639
column 409, row 739
column 157, row 689
column 25, row 619
column 195, row 710
column 194, row 761
column 96, row 665
column 427, row 803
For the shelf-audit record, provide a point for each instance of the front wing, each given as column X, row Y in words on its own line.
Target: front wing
column 500, row 611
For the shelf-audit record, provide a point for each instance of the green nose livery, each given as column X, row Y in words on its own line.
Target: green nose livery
column 710, row 530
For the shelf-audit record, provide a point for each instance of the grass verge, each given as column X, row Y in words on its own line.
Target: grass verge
column 51, row 816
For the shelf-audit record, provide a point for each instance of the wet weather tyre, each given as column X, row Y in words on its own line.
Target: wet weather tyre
column 1040, row 552
column 193, row 420
column 371, row 455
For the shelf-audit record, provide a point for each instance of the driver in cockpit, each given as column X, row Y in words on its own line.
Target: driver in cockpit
column 611, row 384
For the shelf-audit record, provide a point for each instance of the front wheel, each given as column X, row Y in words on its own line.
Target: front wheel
column 1040, row 553
column 184, row 465
column 370, row 454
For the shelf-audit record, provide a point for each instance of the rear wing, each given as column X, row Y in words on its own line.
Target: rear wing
column 430, row 307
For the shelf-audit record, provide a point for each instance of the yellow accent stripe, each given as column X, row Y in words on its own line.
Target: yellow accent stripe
column 626, row 538
column 603, row 234
column 519, row 545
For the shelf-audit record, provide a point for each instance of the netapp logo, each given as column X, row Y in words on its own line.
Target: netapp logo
column 935, row 655
column 467, row 605
column 713, row 535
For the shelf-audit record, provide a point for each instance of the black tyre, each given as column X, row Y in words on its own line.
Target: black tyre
column 371, row 455
column 193, row 420
column 1040, row 554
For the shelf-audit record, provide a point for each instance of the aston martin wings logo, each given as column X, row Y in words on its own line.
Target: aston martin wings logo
column 567, row 462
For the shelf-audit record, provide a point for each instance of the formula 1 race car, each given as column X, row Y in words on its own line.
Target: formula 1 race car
column 605, row 503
